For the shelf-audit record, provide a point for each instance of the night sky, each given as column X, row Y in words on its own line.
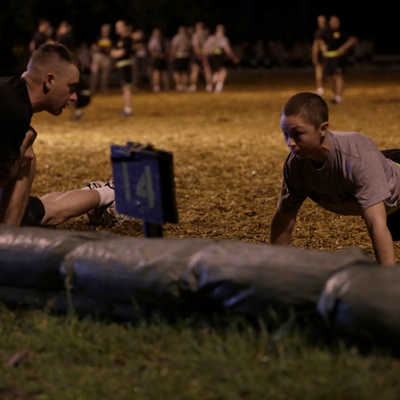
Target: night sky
column 244, row 19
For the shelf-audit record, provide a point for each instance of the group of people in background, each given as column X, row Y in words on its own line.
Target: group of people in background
column 119, row 50
column 194, row 58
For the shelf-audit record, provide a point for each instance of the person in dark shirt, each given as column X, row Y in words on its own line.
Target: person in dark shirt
column 122, row 54
column 65, row 35
column 335, row 44
column 48, row 84
column 43, row 34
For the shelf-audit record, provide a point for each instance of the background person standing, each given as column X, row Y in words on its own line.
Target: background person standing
column 199, row 36
column 158, row 52
column 217, row 54
column 101, row 62
column 122, row 54
column 42, row 35
column 336, row 43
column 180, row 52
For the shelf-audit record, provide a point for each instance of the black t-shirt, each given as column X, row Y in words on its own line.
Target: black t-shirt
column 334, row 38
column 15, row 116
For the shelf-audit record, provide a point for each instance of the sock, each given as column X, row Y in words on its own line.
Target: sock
column 107, row 195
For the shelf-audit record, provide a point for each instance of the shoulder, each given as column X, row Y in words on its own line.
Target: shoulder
column 15, row 106
column 352, row 144
column 352, row 137
column 12, row 88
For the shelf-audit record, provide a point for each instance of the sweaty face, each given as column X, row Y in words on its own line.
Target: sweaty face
column 62, row 86
column 303, row 139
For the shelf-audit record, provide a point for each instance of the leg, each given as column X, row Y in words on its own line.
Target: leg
column 60, row 207
column 127, row 97
column 176, row 77
column 94, row 73
column 207, row 76
column 194, row 76
column 165, row 79
column 220, row 81
column 105, row 74
column 319, row 78
column 156, row 80
column 184, row 80
column 338, row 83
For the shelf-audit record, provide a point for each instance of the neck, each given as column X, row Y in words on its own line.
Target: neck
column 322, row 152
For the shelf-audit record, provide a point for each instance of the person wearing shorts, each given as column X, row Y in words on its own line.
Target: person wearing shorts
column 218, row 54
column 122, row 54
column 336, row 44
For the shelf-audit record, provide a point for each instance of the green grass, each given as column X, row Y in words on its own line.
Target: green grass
column 217, row 357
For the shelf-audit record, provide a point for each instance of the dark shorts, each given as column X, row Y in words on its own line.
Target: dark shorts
column 181, row 64
column 393, row 219
column 34, row 212
column 334, row 66
column 197, row 61
column 217, row 62
column 125, row 74
column 83, row 99
column 159, row 64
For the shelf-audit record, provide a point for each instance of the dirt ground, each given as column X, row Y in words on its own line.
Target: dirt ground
column 228, row 153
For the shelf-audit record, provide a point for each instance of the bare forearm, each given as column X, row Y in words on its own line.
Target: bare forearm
column 383, row 247
column 14, row 201
column 381, row 238
column 281, row 228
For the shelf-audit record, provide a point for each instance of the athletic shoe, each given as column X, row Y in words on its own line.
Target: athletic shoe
column 95, row 216
column 76, row 116
column 110, row 215
column 95, row 185
column 337, row 100
column 124, row 113
column 320, row 91
column 218, row 87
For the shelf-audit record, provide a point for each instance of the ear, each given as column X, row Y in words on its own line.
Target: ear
column 48, row 82
column 324, row 127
